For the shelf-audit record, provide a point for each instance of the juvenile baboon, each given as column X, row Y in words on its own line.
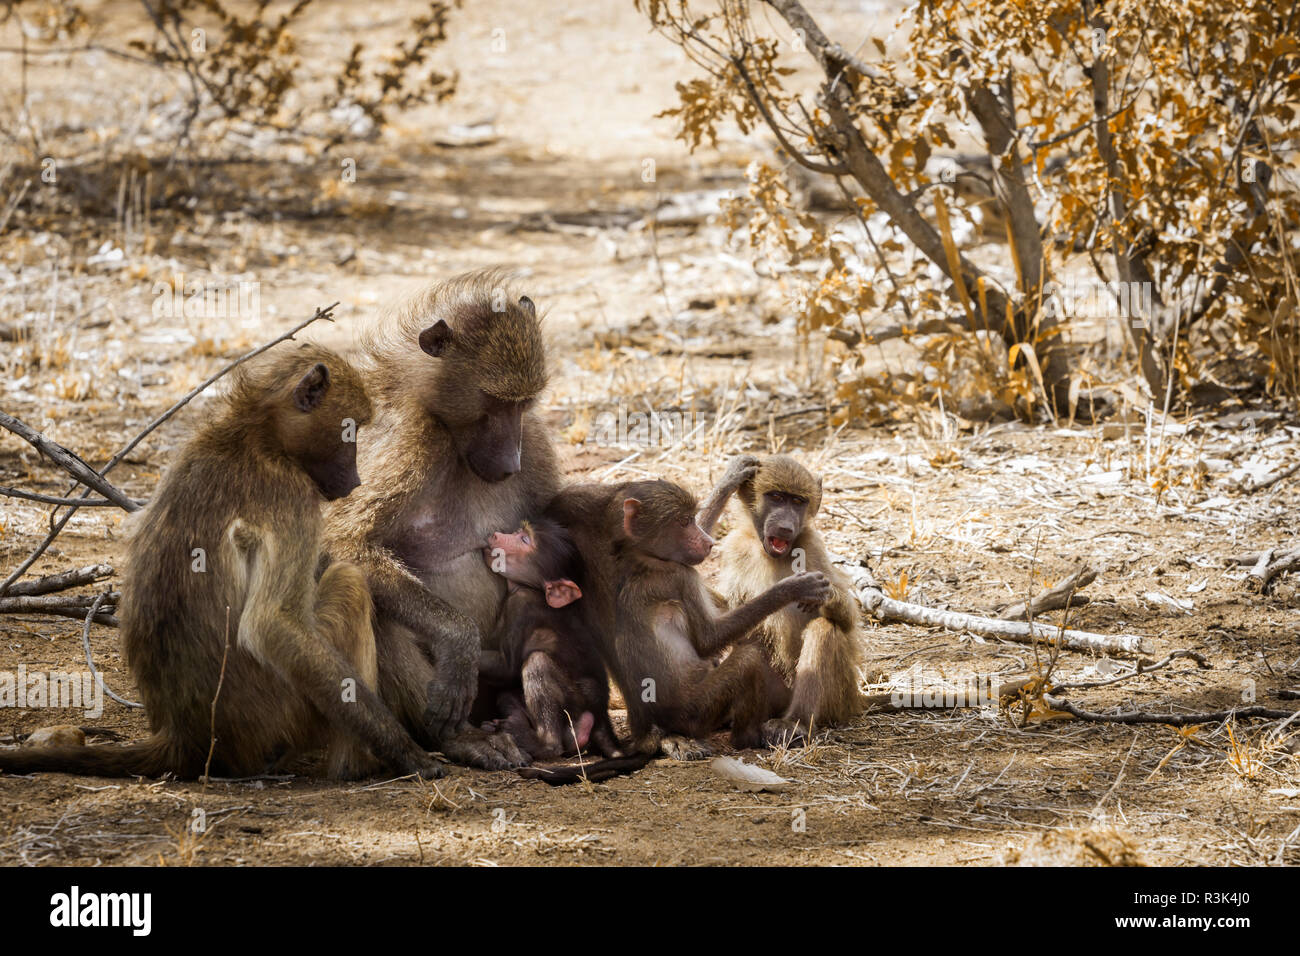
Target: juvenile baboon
column 815, row 650
column 659, row 625
column 546, row 642
column 221, row 574
column 455, row 453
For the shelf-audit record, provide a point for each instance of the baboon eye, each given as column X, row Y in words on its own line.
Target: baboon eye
column 800, row 501
column 527, row 540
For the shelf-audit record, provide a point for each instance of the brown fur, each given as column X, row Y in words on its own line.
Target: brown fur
column 424, row 511
column 660, row 625
column 815, row 651
column 247, row 489
column 547, row 650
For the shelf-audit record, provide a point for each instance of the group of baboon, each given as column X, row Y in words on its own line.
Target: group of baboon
column 393, row 567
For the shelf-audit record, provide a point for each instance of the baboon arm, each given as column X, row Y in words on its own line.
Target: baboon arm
column 735, row 624
column 715, row 504
column 739, row 470
column 452, row 639
column 277, row 640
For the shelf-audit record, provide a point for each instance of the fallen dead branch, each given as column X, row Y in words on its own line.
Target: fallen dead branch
column 1141, row 668
column 1174, row 720
column 891, row 701
column 69, row 461
column 79, row 613
column 64, row 605
column 1054, row 598
column 1270, row 565
column 56, row 500
column 894, row 701
column 37, row 604
column 57, row 527
column 884, row 608
column 62, row 581
column 1271, row 479
column 1265, row 565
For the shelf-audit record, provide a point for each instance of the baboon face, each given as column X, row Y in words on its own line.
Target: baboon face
column 659, row 517
column 319, row 424
column 493, row 445
column 513, row 555
column 491, row 368
column 779, row 520
column 536, row 556
column 781, row 499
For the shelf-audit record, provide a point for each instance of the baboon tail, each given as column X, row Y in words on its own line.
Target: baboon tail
column 151, row 757
column 595, row 772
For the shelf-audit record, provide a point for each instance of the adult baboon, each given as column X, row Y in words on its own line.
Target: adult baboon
column 455, row 454
column 223, row 577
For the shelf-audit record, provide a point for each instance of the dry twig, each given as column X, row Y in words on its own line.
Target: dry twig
column 69, row 461
column 90, row 660
column 62, row 581
column 1054, row 598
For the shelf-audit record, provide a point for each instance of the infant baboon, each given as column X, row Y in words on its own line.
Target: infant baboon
column 815, row 649
column 659, row 625
column 455, row 453
column 546, row 641
column 227, row 554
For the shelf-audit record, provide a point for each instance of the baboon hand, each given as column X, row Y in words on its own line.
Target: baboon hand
column 471, row 746
column 810, row 590
column 450, row 695
column 740, row 469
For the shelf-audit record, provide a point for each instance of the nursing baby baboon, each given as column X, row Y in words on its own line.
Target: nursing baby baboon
column 814, row 649
column 659, row 625
column 455, row 453
column 546, row 643
column 224, row 563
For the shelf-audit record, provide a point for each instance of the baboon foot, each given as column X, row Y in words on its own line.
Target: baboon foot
column 684, row 748
column 783, row 732
column 430, row 768
column 474, row 748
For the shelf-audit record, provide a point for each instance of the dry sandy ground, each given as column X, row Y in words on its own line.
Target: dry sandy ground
column 968, row 519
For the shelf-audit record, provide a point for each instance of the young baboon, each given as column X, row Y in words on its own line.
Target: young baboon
column 545, row 640
column 659, row 625
column 814, row 649
column 222, row 575
column 455, row 453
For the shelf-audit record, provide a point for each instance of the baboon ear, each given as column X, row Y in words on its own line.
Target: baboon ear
column 631, row 508
column 562, row 593
column 435, row 339
column 311, row 388
column 526, row 304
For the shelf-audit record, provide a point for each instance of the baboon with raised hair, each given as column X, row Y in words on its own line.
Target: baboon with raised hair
column 455, row 453
column 225, row 576
column 814, row 651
